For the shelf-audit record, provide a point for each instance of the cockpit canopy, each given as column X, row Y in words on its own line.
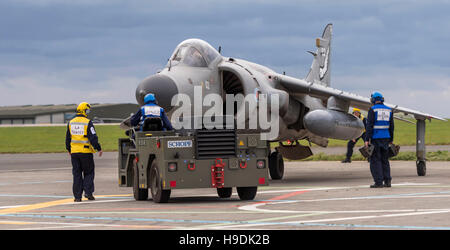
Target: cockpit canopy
column 194, row 53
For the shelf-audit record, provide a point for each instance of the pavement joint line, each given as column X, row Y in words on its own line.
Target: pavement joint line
column 19, row 209
column 70, row 225
column 235, row 223
column 294, row 193
column 315, row 222
column 258, row 223
column 221, row 226
column 252, row 207
column 374, row 216
column 6, row 222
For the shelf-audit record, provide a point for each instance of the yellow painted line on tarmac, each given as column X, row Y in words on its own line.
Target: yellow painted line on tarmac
column 15, row 223
column 45, row 205
column 35, row 206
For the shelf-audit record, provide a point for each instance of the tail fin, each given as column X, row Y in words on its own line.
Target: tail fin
column 320, row 68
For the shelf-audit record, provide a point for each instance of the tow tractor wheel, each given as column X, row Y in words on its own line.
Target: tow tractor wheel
column 276, row 166
column 421, row 168
column 224, row 192
column 247, row 193
column 159, row 195
column 140, row 194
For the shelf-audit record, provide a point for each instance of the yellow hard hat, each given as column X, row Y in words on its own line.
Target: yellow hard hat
column 356, row 110
column 83, row 108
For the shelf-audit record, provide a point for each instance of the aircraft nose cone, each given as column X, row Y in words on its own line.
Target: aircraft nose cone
column 162, row 86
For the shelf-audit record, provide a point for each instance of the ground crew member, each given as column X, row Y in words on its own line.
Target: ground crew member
column 82, row 142
column 150, row 109
column 380, row 133
column 351, row 143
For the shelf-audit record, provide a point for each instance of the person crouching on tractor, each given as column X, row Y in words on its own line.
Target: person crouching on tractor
column 151, row 110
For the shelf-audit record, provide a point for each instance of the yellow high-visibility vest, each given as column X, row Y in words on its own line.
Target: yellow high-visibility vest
column 362, row 118
column 79, row 141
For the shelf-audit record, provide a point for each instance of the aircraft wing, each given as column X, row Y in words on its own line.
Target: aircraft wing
column 318, row 90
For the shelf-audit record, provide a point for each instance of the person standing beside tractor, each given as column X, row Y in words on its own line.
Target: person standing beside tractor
column 380, row 134
column 81, row 143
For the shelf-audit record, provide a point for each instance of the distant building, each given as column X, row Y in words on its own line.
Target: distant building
column 61, row 114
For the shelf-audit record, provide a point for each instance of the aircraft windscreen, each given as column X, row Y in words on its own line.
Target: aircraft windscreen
column 194, row 53
column 207, row 50
column 180, row 54
column 194, row 58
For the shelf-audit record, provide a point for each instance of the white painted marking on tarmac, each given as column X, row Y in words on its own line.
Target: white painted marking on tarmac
column 338, row 188
column 414, row 184
column 11, row 206
column 57, row 227
column 372, row 216
column 33, row 170
column 34, row 182
column 328, row 220
column 96, row 201
column 256, row 206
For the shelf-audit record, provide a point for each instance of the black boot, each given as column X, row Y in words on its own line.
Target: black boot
column 376, row 186
column 387, row 184
column 90, row 197
column 346, row 160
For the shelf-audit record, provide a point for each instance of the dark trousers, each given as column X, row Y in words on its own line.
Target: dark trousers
column 379, row 161
column 83, row 174
column 351, row 145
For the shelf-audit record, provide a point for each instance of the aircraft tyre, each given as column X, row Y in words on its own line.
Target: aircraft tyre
column 276, row 166
column 139, row 194
column 224, row 192
column 159, row 195
column 247, row 193
column 421, row 168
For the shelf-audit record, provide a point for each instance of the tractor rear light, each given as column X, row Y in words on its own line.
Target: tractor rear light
column 260, row 164
column 191, row 166
column 173, row 184
column 262, row 181
column 172, row 166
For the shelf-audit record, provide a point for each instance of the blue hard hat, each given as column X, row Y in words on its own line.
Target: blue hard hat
column 376, row 96
column 150, row 97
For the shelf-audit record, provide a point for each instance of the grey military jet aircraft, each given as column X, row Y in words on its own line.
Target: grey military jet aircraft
column 309, row 109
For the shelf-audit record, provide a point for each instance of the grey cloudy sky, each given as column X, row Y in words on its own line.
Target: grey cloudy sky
column 58, row 51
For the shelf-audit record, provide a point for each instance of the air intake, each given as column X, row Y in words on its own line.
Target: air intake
column 215, row 143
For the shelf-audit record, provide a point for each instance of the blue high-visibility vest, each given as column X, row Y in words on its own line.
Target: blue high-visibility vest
column 151, row 110
column 382, row 121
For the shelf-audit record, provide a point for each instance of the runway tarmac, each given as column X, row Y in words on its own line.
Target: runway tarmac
column 36, row 194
